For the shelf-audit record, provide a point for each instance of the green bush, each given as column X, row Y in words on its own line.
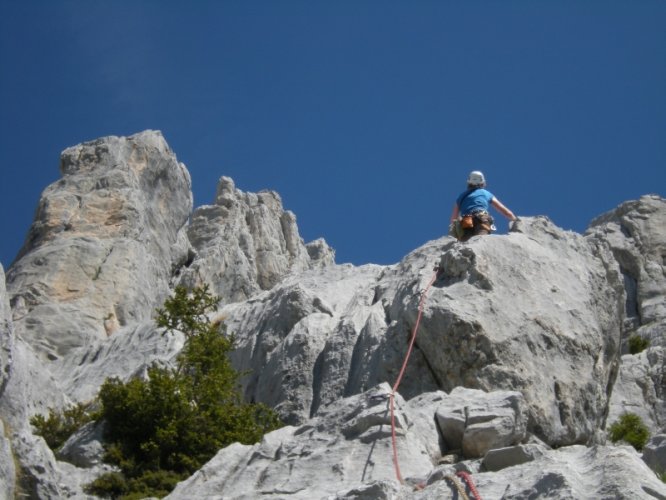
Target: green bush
column 162, row 429
column 109, row 484
column 59, row 426
column 637, row 344
column 630, row 429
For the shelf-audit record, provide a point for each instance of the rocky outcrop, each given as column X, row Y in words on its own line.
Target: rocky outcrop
column 346, row 453
column 521, row 346
column 337, row 331
column 246, row 242
column 104, row 244
column 634, row 233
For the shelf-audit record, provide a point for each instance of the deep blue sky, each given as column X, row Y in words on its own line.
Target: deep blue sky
column 365, row 115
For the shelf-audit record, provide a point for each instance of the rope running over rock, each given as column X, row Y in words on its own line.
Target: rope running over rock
column 396, row 464
column 465, row 475
column 458, row 485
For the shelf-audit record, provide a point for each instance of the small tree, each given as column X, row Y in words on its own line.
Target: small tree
column 59, row 426
column 162, row 429
column 630, row 429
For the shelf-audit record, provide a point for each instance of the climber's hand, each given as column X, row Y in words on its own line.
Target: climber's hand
column 513, row 225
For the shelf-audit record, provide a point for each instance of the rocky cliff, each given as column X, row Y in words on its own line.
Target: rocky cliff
column 519, row 365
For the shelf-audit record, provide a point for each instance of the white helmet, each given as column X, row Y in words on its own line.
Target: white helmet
column 476, row 178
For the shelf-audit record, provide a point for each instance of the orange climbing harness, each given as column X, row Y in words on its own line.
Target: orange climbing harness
column 464, row 475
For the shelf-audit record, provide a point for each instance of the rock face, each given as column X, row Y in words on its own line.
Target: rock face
column 345, row 453
column 337, row 331
column 634, row 233
column 522, row 344
column 7, row 470
column 105, row 241
column 246, row 242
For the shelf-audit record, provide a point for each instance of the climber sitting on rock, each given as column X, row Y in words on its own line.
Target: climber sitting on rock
column 470, row 215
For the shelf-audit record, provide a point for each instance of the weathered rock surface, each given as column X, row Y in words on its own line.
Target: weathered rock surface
column 345, row 453
column 476, row 423
column 7, row 469
column 348, row 443
column 336, row 331
column 246, row 242
column 641, row 388
column 519, row 347
column 572, row 472
column 104, row 244
column 654, row 454
column 635, row 234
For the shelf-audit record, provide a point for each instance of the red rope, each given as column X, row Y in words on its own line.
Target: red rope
column 396, row 464
column 470, row 483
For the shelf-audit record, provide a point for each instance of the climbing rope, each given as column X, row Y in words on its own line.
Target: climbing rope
column 458, row 485
column 464, row 475
column 396, row 464
column 467, row 477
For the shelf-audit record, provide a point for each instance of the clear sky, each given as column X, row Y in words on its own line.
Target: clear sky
column 365, row 115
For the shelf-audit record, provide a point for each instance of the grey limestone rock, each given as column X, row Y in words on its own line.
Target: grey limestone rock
column 125, row 355
column 640, row 388
column 654, row 453
column 475, row 422
column 105, row 242
column 348, row 443
column 6, row 334
column 85, row 447
column 536, row 312
column 7, row 468
column 520, row 340
column 501, row 458
column 247, row 242
column 572, row 472
column 345, row 453
column 635, row 235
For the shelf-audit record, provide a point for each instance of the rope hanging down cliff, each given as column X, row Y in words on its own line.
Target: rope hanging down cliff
column 396, row 464
column 465, row 476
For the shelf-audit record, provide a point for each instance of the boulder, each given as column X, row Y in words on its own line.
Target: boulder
column 84, row 448
column 475, row 421
column 501, row 458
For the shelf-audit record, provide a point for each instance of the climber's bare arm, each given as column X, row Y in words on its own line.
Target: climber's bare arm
column 502, row 209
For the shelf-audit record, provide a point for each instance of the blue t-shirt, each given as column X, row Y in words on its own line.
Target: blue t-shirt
column 477, row 199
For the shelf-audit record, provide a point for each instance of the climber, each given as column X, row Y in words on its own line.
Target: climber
column 470, row 215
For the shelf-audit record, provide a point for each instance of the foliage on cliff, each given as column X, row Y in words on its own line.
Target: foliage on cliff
column 162, row 429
